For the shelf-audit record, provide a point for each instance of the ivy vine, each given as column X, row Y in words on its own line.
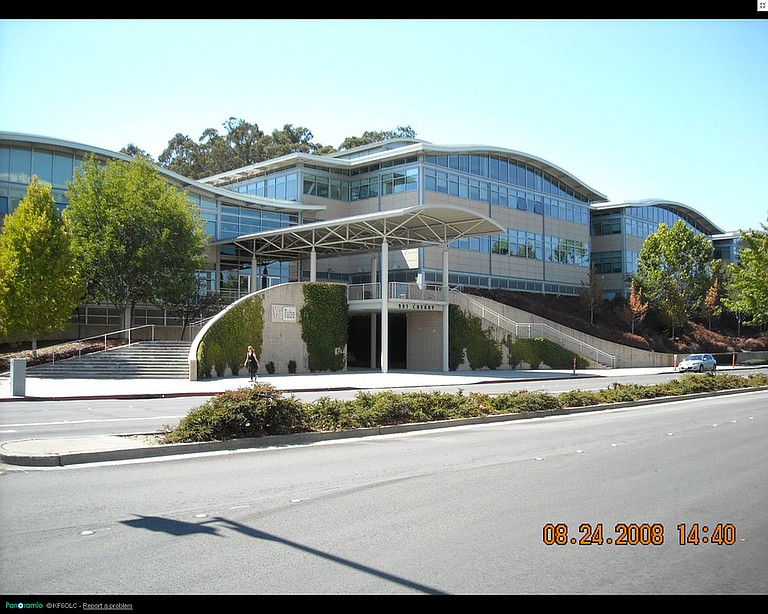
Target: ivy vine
column 324, row 320
column 228, row 338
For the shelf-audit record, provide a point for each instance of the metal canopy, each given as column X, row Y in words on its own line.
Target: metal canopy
column 405, row 228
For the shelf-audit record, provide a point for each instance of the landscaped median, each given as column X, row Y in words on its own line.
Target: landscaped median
column 261, row 410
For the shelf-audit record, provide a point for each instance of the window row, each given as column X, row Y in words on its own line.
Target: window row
column 19, row 164
column 503, row 196
column 236, row 221
column 521, row 244
column 507, row 170
column 384, row 184
column 280, row 187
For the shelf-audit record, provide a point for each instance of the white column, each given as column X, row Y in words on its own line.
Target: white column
column 254, row 267
column 313, row 265
column 373, row 315
column 446, row 310
column 384, row 306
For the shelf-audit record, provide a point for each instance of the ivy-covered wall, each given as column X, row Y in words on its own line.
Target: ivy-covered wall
column 465, row 332
column 227, row 340
column 324, row 320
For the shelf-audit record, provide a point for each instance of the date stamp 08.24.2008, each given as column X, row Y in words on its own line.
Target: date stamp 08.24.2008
column 636, row 534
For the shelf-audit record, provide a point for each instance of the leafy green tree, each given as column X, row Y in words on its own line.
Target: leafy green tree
column 137, row 239
column 674, row 271
column 747, row 289
column 39, row 283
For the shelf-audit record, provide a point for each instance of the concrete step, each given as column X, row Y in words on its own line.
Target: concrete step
column 146, row 359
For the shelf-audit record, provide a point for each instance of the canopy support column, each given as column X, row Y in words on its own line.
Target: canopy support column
column 313, row 265
column 373, row 315
column 446, row 310
column 384, row 306
column 254, row 267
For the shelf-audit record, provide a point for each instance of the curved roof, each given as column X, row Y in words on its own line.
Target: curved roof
column 183, row 183
column 395, row 148
column 689, row 214
column 405, row 228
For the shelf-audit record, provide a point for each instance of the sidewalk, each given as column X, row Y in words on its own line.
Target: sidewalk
column 77, row 450
column 60, row 389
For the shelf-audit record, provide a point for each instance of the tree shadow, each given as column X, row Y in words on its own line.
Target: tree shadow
column 180, row 528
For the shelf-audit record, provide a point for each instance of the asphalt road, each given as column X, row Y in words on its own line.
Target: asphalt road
column 487, row 509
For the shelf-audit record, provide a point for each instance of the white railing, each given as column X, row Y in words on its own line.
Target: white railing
column 528, row 330
column 52, row 349
column 396, row 290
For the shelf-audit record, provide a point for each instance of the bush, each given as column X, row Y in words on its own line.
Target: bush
column 247, row 412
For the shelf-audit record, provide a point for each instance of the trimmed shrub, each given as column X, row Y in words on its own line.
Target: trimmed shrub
column 247, row 412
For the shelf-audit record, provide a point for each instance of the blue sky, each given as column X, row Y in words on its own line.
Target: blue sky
column 672, row 109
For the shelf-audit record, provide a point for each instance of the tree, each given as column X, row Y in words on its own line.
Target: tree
column 133, row 150
column 635, row 310
column 747, row 290
column 39, row 283
column 375, row 136
column 591, row 293
column 674, row 271
column 136, row 238
column 711, row 306
column 197, row 306
column 184, row 156
column 243, row 144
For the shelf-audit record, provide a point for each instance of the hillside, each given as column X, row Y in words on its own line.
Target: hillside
column 650, row 335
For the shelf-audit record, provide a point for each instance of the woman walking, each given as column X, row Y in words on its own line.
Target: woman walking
column 252, row 363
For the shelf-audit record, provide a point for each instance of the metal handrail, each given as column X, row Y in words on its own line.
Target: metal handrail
column 105, row 335
column 396, row 290
column 547, row 331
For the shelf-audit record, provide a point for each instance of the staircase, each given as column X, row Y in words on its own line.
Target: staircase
column 145, row 359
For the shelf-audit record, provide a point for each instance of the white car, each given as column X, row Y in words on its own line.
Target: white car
column 698, row 362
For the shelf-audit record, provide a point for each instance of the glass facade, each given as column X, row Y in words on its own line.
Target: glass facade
column 518, row 193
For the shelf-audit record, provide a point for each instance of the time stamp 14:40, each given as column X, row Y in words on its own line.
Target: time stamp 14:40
column 632, row 534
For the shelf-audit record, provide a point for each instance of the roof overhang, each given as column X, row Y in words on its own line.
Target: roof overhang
column 410, row 227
